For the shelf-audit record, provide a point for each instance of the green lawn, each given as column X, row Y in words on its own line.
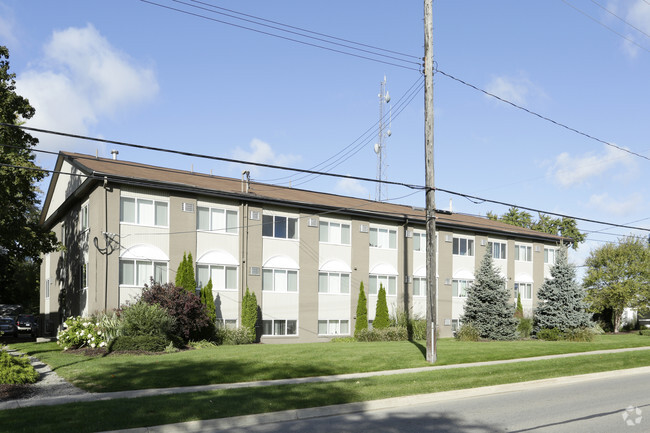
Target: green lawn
column 229, row 364
column 149, row 411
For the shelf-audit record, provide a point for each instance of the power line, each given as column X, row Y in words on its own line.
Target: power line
column 606, row 26
column 287, row 38
column 621, row 19
column 556, row 123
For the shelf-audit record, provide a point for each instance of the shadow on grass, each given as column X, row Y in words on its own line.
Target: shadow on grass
column 421, row 348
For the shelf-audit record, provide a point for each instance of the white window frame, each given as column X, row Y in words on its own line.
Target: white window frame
column 277, row 277
column 461, row 286
column 137, row 218
column 83, row 217
column 333, row 327
column 274, row 225
column 503, row 248
column 421, row 283
column 384, row 238
column 527, row 253
column 457, row 245
column 334, row 229
column 526, row 293
column 213, row 267
column 334, row 282
column 227, row 228
column 382, row 280
column 421, row 242
column 136, row 269
column 547, row 254
column 226, row 323
column 274, row 322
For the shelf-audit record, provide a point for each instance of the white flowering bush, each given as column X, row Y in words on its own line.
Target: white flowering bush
column 81, row 332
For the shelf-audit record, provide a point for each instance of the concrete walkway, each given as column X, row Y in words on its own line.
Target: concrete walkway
column 51, row 401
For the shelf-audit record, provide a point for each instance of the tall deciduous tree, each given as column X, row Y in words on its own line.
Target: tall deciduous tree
column 361, row 322
column 566, row 227
column 487, row 305
column 22, row 239
column 618, row 277
column 561, row 299
column 381, row 315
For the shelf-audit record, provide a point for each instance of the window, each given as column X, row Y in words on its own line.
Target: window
column 279, row 327
column 333, row 282
column 83, row 217
column 419, row 286
column 459, row 288
column 84, row 275
column 279, row 227
column 334, row 233
column 144, row 212
column 383, row 238
column 333, row 327
column 523, row 253
column 47, row 288
column 526, row 290
column 498, row 249
column 419, row 242
column 463, row 247
column 389, row 283
column 454, row 325
column 139, row 272
column 279, row 280
column 216, row 220
column 549, row 256
column 227, row 323
column 223, row 277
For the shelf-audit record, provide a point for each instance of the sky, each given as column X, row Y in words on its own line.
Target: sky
column 147, row 73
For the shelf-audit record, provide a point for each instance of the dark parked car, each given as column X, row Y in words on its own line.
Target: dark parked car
column 8, row 327
column 27, row 324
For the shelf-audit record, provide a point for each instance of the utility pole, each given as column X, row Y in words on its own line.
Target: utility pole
column 432, row 282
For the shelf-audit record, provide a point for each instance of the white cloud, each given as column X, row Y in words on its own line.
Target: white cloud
column 80, row 79
column 617, row 207
column 570, row 170
column 261, row 152
column 514, row 89
column 7, row 31
column 351, row 187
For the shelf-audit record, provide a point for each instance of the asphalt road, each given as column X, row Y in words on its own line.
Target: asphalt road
column 618, row 404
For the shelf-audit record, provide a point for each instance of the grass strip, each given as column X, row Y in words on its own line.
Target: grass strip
column 149, row 411
column 230, row 364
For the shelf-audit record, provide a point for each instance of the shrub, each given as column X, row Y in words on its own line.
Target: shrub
column 185, row 274
column 343, row 340
column 419, row 329
column 386, row 334
column 525, row 327
column 16, row 370
column 579, row 334
column 80, row 332
column 147, row 343
column 519, row 311
column 192, row 322
column 467, row 332
column 109, row 325
column 361, row 322
column 249, row 311
column 146, row 319
column 381, row 313
column 416, row 327
column 233, row 337
column 202, row 344
column 207, row 299
column 549, row 334
column 644, row 332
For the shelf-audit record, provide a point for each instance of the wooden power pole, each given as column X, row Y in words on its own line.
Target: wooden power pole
column 432, row 282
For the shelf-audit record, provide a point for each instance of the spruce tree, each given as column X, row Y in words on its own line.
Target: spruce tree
column 362, row 312
column 249, row 311
column 488, row 305
column 381, row 315
column 561, row 300
column 207, row 299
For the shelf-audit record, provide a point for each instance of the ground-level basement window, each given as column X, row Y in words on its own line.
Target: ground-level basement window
column 279, row 327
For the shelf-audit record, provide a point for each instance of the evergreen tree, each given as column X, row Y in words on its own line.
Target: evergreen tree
column 249, row 311
column 381, row 315
column 362, row 312
column 488, row 305
column 207, row 299
column 519, row 312
column 189, row 283
column 180, row 272
column 561, row 300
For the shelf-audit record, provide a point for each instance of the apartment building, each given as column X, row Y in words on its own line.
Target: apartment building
column 303, row 253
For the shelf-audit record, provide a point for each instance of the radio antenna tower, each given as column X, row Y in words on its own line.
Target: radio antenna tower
column 384, row 133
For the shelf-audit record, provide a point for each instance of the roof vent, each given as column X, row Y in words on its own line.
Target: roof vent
column 114, row 152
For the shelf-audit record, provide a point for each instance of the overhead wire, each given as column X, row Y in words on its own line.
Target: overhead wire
column 403, row 66
column 621, row 19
